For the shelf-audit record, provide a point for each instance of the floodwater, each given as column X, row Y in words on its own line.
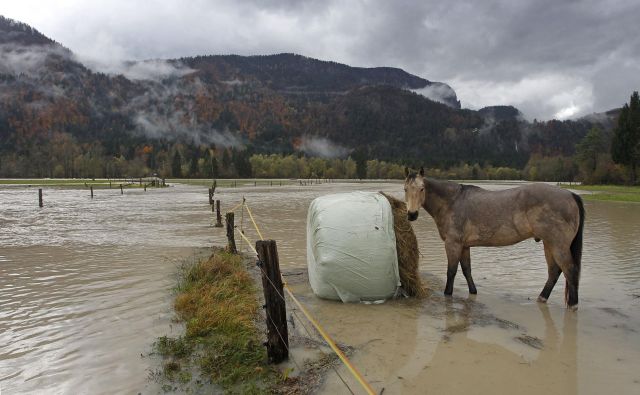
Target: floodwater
column 85, row 289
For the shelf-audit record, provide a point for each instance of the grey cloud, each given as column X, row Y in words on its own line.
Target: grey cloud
column 549, row 58
column 29, row 61
column 437, row 92
column 156, row 116
column 155, row 69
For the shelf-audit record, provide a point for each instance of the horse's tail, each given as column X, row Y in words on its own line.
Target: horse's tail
column 576, row 245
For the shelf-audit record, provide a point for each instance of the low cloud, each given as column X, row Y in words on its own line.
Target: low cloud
column 153, row 70
column 156, row 114
column 323, row 147
column 442, row 93
column 179, row 125
column 536, row 96
column 27, row 60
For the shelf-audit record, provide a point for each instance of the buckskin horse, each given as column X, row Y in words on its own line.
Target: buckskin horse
column 468, row 216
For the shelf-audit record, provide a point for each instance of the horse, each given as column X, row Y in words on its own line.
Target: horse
column 469, row 216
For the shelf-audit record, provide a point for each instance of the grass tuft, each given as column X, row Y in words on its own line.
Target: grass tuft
column 216, row 299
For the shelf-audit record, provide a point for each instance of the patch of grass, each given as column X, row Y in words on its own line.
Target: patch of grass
column 176, row 347
column 79, row 183
column 216, row 299
column 618, row 193
column 231, row 182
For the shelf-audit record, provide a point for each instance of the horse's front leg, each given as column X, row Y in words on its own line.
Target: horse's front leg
column 454, row 253
column 465, row 263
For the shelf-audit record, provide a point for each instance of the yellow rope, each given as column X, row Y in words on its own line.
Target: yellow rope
column 237, row 206
column 331, row 343
column 248, row 242
column 254, row 222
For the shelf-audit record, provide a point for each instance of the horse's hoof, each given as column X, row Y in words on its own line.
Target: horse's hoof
column 573, row 308
column 542, row 299
column 448, row 293
column 473, row 291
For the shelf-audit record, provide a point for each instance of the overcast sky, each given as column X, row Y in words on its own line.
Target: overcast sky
column 549, row 58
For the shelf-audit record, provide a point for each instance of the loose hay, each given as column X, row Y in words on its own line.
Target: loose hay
column 407, row 249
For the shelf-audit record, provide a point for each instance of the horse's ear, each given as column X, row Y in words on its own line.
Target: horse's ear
column 406, row 171
column 421, row 171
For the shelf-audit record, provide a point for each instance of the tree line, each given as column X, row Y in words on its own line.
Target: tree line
column 600, row 157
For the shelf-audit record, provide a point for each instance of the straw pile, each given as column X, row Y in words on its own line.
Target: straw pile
column 407, row 249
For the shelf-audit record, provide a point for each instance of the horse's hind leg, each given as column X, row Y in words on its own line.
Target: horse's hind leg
column 465, row 263
column 553, row 272
column 564, row 259
column 454, row 251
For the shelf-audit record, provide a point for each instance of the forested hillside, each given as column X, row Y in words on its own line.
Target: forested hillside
column 209, row 115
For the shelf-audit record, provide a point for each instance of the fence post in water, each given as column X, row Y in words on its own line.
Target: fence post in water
column 231, row 240
column 210, row 195
column 91, row 191
column 275, row 308
column 40, row 197
column 145, row 187
column 121, row 191
column 218, row 216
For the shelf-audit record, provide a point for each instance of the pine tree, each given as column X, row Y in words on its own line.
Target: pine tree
column 226, row 160
column 587, row 151
column 625, row 146
column 176, row 165
column 193, row 168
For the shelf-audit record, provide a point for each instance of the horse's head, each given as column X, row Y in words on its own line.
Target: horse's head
column 414, row 194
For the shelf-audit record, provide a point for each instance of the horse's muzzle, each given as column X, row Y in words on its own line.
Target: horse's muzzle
column 412, row 215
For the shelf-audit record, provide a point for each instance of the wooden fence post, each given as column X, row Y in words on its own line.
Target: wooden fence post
column 40, row 197
column 121, row 191
column 231, row 240
column 210, row 195
column 275, row 307
column 218, row 216
column 91, row 191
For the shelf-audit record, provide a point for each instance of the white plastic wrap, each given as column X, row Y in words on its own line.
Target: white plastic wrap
column 351, row 247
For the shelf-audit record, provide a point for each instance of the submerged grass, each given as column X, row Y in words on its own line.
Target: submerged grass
column 216, row 299
column 618, row 193
column 235, row 182
column 72, row 183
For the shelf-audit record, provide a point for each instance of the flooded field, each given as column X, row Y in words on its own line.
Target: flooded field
column 85, row 287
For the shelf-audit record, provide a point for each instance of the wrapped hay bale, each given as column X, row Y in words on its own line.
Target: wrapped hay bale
column 352, row 248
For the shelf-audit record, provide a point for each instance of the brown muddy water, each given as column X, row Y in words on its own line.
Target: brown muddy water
column 85, row 288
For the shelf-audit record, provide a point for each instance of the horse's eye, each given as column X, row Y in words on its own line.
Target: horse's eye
column 421, row 189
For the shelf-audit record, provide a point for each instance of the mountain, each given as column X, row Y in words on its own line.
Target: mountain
column 295, row 74
column 52, row 107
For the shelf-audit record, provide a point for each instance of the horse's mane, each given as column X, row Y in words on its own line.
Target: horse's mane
column 444, row 189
